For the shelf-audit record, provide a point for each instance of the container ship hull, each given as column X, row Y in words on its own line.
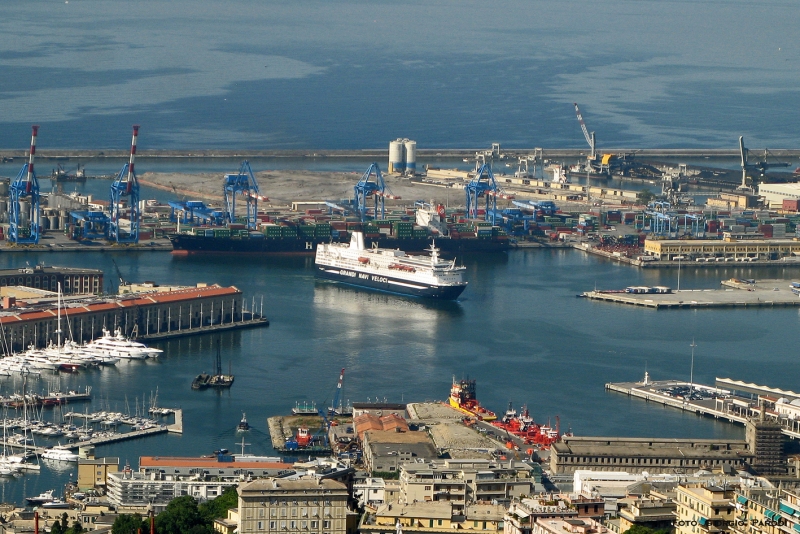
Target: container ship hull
column 388, row 284
column 186, row 244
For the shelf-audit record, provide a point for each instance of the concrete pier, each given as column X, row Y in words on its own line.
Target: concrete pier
column 710, row 401
column 761, row 294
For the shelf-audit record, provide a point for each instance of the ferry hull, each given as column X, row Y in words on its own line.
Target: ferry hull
column 388, row 284
column 488, row 416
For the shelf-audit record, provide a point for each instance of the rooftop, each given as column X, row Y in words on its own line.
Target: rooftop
column 276, row 484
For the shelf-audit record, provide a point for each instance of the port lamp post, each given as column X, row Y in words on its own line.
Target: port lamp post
column 679, row 258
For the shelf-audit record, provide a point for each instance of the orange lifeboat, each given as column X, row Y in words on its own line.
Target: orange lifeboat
column 363, row 261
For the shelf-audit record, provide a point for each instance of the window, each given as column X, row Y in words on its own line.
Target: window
column 272, row 525
column 293, row 525
column 427, row 488
column 315, row 524
column 304, row 524
column 261, row 512
column 283, row 525
column 440, row 522
column 326, row 524
column 304, row 512
column 260, row 525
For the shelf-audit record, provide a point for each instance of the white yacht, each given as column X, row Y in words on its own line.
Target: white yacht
column 60, row 453
column 119, row 346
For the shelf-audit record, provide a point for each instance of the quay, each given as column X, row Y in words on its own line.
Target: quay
column 735, row 294
column 280, row 430
column 55, row 398
column 151, row 313
column 730, row 400
column 674, row 264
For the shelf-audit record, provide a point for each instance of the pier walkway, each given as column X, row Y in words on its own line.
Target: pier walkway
column 731, row 405
column 255, row 321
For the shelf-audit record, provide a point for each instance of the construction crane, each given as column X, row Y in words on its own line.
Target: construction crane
column 242, row 183
column 760, row 166
column 122, row 281
column 377, row 189
column 126, row 186
column 25, row 228
column 488, row 188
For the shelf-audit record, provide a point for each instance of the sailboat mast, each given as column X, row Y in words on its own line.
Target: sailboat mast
column 58, row 331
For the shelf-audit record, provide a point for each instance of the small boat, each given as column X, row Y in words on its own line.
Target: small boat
column 42, row 498
column 57, row 504
column 60, row 453
column 201, row 381
column 218, row 380
column 243, row 426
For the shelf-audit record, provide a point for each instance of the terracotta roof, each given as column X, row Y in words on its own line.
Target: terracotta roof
column 149, row 299
column 209, row 463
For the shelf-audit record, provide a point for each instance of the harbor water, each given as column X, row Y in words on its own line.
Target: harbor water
column 518, row 329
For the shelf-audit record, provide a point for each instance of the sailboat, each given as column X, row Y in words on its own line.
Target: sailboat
column 219, row 380
column 22, row 460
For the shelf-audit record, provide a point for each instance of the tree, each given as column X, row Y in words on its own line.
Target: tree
column 56, row 529
column 641, row 529
column 129, row 524
column 218, row 508
column 645, row 196
column 182, row 515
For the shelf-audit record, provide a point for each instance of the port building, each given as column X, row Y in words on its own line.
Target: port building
column 73, row 281
column 775, row 194
column 136, row 314
column 308, row 505
column 731, row 248
column 654, row 455
column 385, row 451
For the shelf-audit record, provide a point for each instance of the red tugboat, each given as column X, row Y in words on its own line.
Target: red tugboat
column 523, row 426
column 462, row 398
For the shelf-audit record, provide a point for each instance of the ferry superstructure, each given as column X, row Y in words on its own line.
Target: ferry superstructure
column 390, row 270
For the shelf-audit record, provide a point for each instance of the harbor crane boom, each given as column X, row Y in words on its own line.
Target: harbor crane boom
column 24, row 219
column 242, row 183
column 125, row 186
column 377, row 189
column 761, row 166
column 589, row 136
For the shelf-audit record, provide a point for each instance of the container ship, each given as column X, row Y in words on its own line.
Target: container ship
column 298, row 234
column 462, row 398
column 390, row 270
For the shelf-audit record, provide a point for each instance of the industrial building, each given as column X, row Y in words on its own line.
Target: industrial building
column 775, row 194
column 139, row 314
column 73, row 281
column 386, row 450
column 693, row 249
column 653, row 455
column 311, row 506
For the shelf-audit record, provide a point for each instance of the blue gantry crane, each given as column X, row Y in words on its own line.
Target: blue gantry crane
column 377, row 189
column 24, row 200
column 488, row 188
column 125, row 189
column 242, row 183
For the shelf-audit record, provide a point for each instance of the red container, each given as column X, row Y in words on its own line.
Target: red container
column 791, row 204
column 314, row 212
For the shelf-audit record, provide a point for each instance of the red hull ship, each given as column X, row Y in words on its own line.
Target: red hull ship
column 523, row 426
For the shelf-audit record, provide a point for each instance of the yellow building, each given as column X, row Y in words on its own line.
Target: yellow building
column 227, row 525
column 657, row 511
column 434, row 517
column 93, row 472
column 704, row 509
column 693, row 249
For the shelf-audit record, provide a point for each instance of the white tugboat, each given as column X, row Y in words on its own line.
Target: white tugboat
column 390, row 270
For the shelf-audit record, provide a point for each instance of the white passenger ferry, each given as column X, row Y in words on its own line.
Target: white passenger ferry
column 390, row 270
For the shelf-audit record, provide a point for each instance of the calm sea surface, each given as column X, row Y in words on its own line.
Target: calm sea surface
column 518, row 329
column 357, row 73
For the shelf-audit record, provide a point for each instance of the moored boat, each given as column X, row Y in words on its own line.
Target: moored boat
column 463, row 399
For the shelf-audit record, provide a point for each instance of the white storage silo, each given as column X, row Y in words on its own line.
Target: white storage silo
column 411, row 156
column 396, row 159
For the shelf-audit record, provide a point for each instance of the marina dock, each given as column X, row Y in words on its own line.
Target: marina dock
column 735, row 294
column 253, row 321
column 731, row 400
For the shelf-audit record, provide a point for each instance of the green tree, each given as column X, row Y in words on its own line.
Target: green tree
column 641, row 529
column 129, row 524
column 56, row 528
column 645, row 196
column 181, row 516
column 218, row 508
